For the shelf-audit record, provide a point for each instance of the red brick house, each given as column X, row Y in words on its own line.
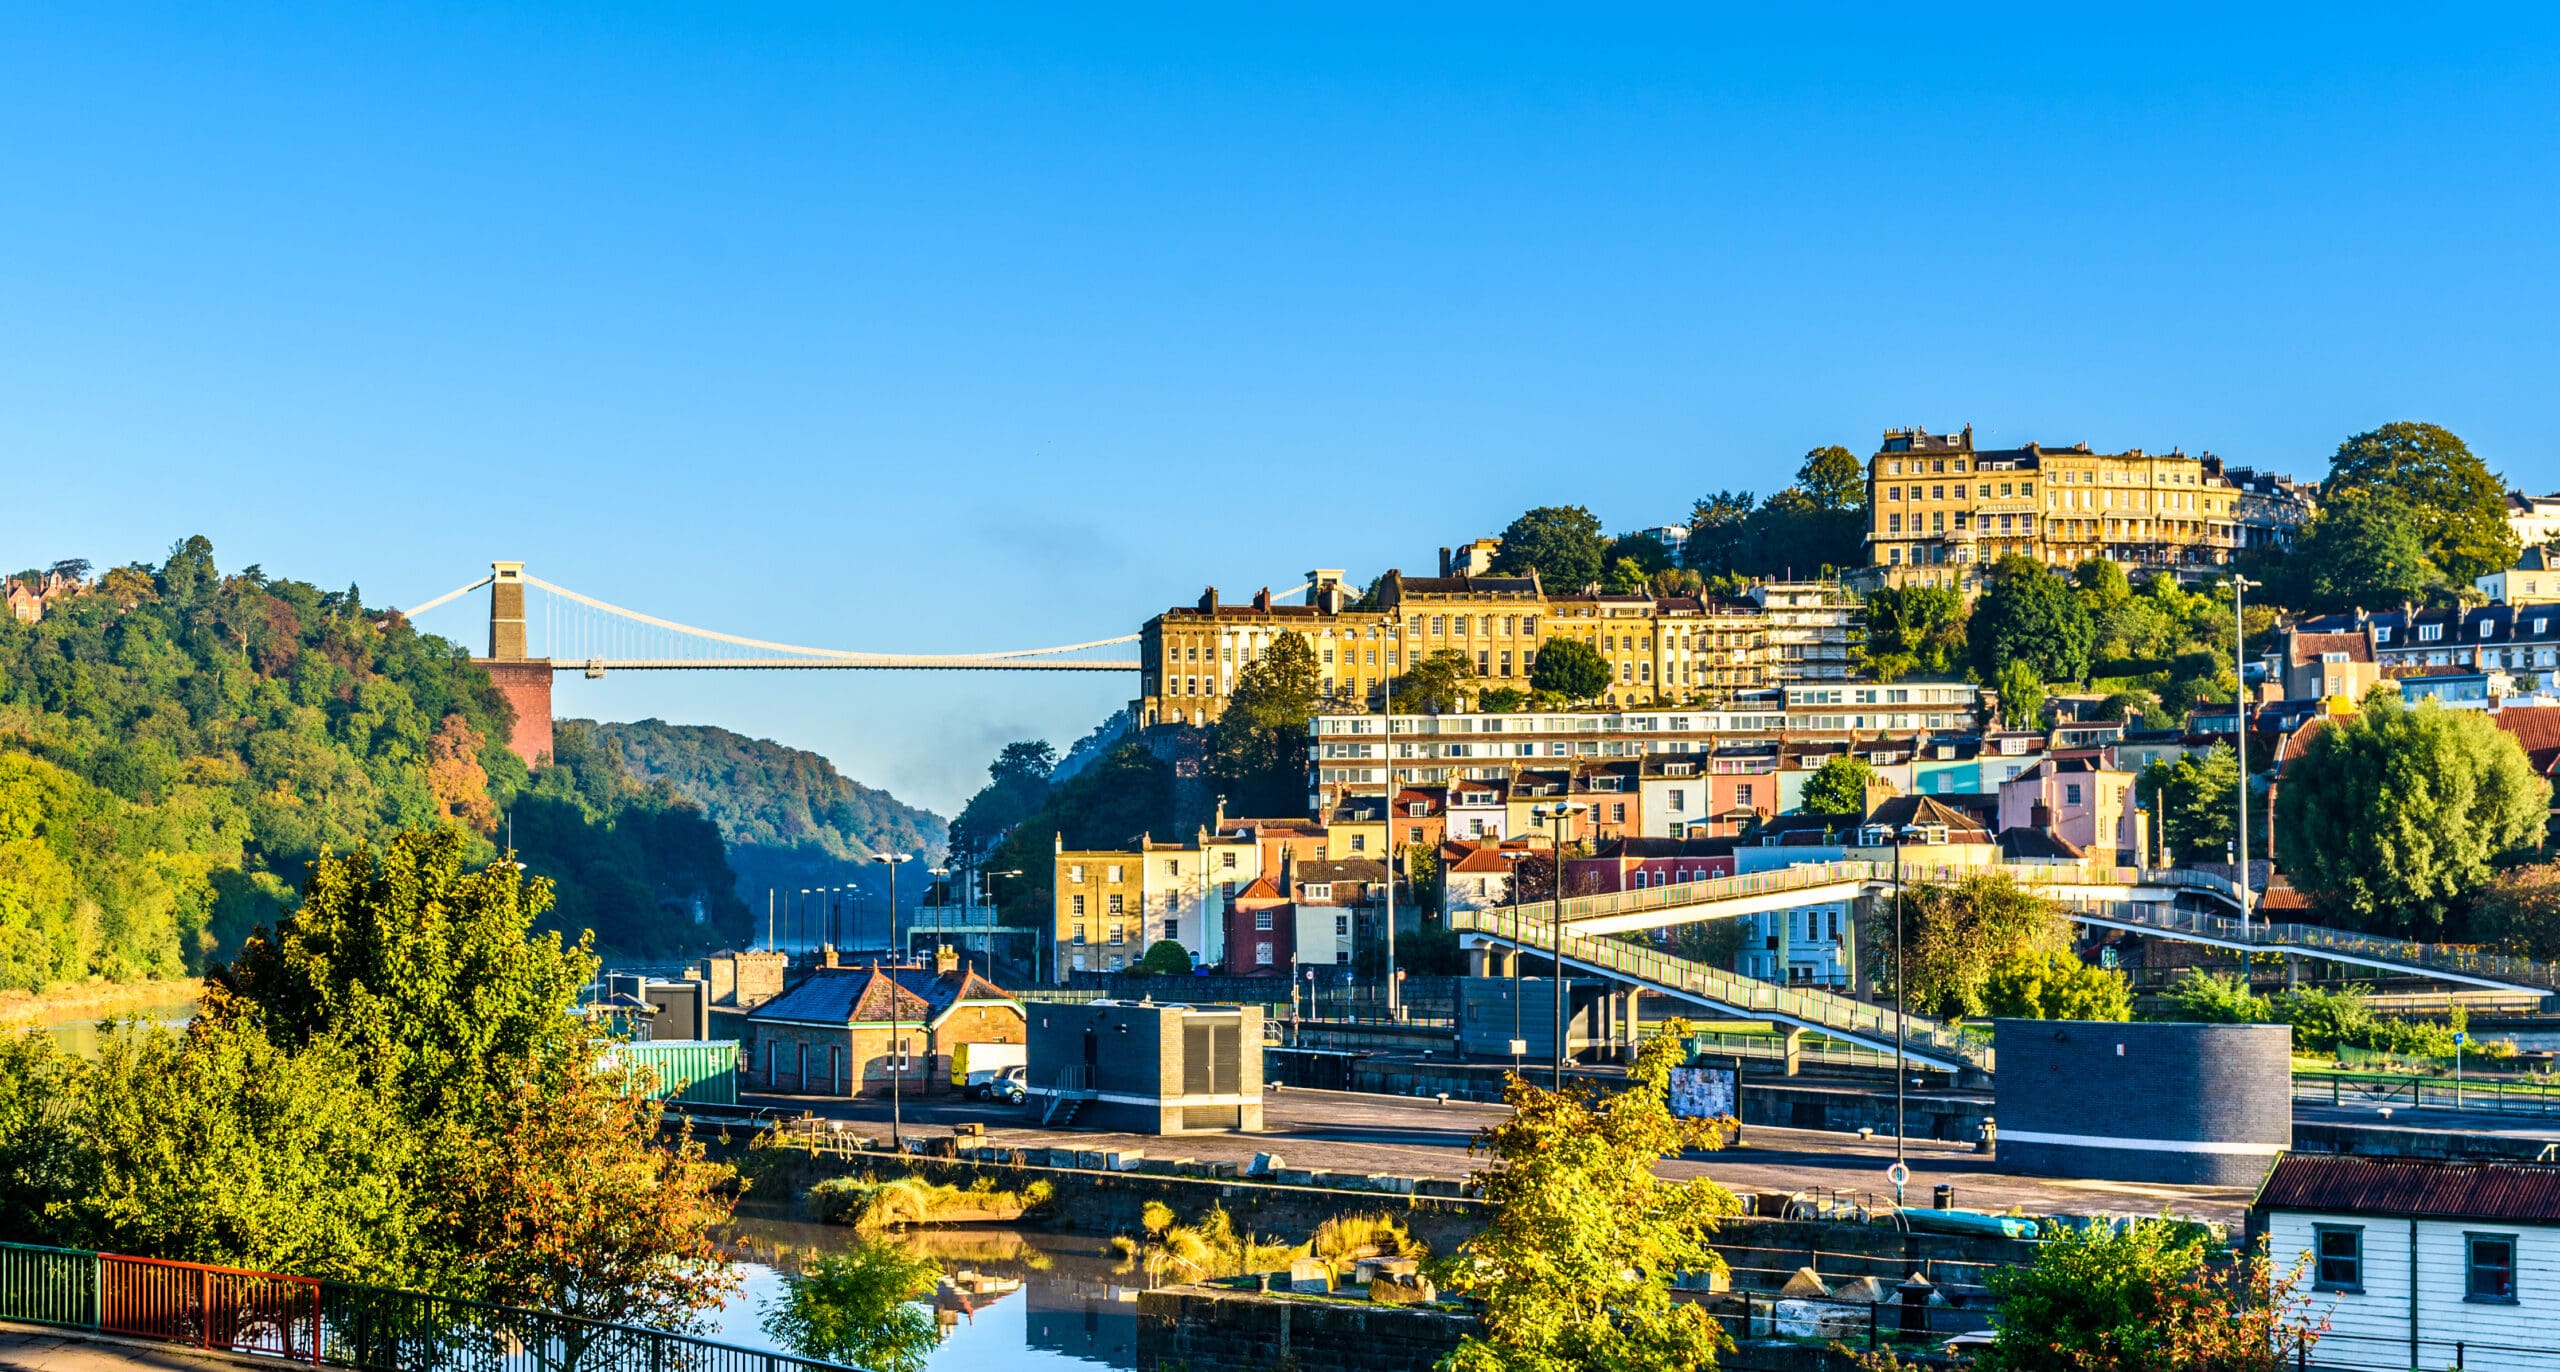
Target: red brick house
column 835, row 1033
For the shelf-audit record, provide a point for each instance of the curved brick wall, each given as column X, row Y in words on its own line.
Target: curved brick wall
column 2207, row 1104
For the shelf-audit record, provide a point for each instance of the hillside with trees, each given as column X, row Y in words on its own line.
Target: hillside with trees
column 788, row 817
column 178, row 745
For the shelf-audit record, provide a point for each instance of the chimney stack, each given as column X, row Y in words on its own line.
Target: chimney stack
column 945, row 960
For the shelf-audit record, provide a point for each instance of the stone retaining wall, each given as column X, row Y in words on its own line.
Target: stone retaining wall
column 1212, row 1329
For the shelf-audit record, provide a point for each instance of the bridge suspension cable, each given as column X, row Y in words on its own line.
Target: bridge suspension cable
column 831, row 654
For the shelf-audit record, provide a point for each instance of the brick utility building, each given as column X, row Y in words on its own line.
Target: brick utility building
column 845, row 1030
column 1142, row 1068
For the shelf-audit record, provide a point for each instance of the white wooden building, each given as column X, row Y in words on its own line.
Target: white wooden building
column 2418, row 1263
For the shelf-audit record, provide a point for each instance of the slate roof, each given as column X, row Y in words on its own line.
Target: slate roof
column 2302, row 649
column 2500, row 1192
column 1642, row 849
column 869, row 995
column 2035, row 845
column 1897, row 811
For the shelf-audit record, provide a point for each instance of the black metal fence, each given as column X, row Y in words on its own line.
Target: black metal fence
column 336, row 1324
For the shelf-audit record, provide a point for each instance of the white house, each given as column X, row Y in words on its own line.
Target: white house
column 2418, row 1263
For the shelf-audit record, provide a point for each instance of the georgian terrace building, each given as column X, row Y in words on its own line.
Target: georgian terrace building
column 2522, row 641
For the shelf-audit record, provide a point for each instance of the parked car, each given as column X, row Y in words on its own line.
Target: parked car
column 1012, row 1089
column 989, row 1085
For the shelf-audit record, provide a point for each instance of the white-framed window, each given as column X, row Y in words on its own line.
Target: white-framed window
column 1262, row 952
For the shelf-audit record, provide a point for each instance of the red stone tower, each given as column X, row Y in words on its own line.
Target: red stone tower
column 524, row 681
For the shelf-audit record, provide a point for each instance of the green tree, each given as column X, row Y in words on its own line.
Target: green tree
column 1163, row 958
column 2366, row 548
column 1628, row 577
column 1576, row 1263
column 1502, row 700
column 2030, row 615
column 1258, row 747
column 1839, row 787
column 1570, row 668
column 1915, row 629
column 1439, row 684
column 2146, row 1297
column 2047, row 983
column 1833, row 479
column 2459, row 505
column 1561, row 543
column 42, row 1157
column 2392, row 818
column 861, row 1307
column 215, row 1146
column 2519, row 912
column 1955, row 935
column 2021, row 691
column 1641, row 548
column 1720, row 534
column 2217, row 998
column 2200, row 801
column 1017, row 783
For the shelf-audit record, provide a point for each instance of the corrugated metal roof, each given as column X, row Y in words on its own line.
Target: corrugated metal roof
column 2519, row 1192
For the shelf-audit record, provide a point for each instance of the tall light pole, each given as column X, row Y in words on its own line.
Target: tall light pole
column 1901, row 1065
column 1387, row 808
column 897, row 1055
column 1555, row 818
column 2240, row 739
column 1514, row 857
column 942, row 883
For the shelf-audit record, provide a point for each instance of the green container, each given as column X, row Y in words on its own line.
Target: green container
column 697, row 1071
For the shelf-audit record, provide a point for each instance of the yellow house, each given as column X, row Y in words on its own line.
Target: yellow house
column 1099, row 910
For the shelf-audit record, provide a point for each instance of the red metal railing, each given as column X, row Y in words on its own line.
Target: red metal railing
column 211, row 1307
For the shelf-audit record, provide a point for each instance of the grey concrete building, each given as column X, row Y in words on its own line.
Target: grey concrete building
column 1143, row 1068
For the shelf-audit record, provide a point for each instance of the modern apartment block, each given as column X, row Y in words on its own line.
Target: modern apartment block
column 1941, row 510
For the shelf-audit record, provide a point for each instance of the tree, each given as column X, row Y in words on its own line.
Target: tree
column 2048, row 983
column 1576, row 1264
column 2519, row 913
column 2457, row 503
column 2146, row 1297
column 1839, row 787
column 1641, row 548
column 1720, row 533
column 860, row 1308
column 1672, row 582
column 1017, row 783
column 2365, row 548
column 1915, row 629
column 1502, row 700
column 2217, row 998
column 1258, row 747
column 572, row 1200
column 1628, row 577
column 42, row 1158
column 2021, row 695
column 428, row 973
column 2030, row 615
column 1561, row 543
column 1163, row 958
column 1955, row 935
column 1438, row 684
column 2201, row 801
column 1833, row 480
column 1569, row 668
column 2393, row 817
column 215, row 1146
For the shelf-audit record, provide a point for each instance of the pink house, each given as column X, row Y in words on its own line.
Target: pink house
column 2075, row 797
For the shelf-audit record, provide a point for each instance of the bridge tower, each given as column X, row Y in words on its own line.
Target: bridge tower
column 524, row 681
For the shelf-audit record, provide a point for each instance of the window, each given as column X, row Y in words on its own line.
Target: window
column 2071, row 793
column 2490, row 1268
column 1119, row 934
column 1262, row 920
column 1742, row 794
column 2338, row 1253
column 1359, row 843
column 2429, row 633
column 1079, row 907
column 1227, row 860
column 1075, row 872
column 1342, row 926
column 1262, row 951
column 1115, row 871
column 1079, row 935
column 1119, row 905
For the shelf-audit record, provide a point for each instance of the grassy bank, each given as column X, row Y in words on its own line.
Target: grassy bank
column 92, row 1000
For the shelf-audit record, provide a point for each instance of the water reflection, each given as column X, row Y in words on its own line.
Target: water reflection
column 1070, row 1309
column 80, row 1037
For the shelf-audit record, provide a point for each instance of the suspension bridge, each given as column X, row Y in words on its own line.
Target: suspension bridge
column 568, row 631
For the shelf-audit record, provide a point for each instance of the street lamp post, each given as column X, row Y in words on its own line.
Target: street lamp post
column 942, row 895
column 897, row 1048
column 1901, row 1066
column 1387, row 811
column 2240, row 739
column 1514, row 857
column 1555, row 817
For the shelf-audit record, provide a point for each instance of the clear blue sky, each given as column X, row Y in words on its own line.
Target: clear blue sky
column 986, row 332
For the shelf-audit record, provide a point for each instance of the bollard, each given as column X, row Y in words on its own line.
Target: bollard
column 1943, row 1197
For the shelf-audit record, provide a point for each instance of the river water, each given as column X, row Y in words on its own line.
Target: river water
column 1073, row 1309
column 80, row 1036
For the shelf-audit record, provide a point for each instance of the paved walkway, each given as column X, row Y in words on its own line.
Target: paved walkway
column 25, row 1349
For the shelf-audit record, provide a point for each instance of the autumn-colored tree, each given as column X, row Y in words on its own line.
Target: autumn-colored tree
column 455, row 776
column 1575, row 1267
column 2147, row 1297
column 571, row 1202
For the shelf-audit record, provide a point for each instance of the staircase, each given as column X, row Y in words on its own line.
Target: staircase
column 1067, row 1098
column 1925, row 1041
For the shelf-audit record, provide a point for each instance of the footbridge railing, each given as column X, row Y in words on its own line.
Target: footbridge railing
column 2453, row 962
column 1926, row 1041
